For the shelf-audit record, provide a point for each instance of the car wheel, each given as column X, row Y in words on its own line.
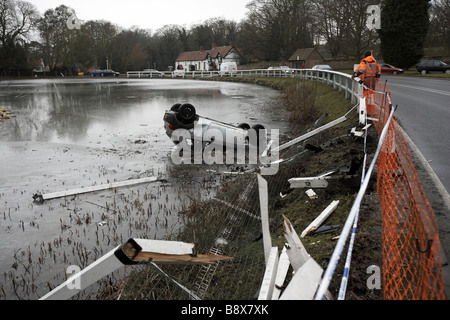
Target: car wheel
column 423, row 71
column 447, row 71
column 394, row 73
column 244, row 126
column 187, row 113
column 175, row 107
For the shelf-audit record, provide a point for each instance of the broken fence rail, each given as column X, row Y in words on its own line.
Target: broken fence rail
column 42, row 197
column 133, row 252
column 311, row 133
column 307, row 271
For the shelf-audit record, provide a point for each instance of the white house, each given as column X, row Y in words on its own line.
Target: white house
column 207, row 60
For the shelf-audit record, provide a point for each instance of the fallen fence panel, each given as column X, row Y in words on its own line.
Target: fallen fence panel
column 296, row 251
column 42, row 197
column 305, row 282
column 282, row 269
column 311, row 182
column 132, row 252
column 311, row 133
column 321, row 218
column 264, row 203
column 83, row 279
column 268, row 284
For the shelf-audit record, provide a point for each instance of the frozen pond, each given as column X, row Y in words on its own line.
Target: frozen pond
column 72, row 133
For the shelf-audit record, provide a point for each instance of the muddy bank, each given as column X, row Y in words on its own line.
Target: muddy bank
column 229, row 222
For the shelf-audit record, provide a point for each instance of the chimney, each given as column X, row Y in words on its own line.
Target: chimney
column 201, row 48
column 214, row 45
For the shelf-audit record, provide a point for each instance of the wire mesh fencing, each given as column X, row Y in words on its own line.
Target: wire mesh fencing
column 412, row 260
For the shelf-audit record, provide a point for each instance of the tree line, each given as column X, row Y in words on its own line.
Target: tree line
column 271, row 31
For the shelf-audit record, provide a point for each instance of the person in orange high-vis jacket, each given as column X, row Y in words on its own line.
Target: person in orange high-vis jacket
column 369, row 72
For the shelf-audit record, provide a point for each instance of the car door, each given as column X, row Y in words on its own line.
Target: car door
column 436, row 65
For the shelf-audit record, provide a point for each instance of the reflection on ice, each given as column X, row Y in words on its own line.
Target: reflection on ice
column 74, row 133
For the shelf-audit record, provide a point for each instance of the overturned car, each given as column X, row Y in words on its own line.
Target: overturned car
column 182, row 123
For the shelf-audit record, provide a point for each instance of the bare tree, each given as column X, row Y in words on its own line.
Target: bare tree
column 170, row 45
column 331, row 20
column 58, row 40
column 357, row 37
column 17, row 19
column 439, row 34
column 223, row 31
column 279, row 27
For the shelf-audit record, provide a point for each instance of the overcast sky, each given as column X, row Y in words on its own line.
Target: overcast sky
column 150, row 14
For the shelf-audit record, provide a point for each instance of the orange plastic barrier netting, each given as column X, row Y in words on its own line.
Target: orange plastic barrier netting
column 412, row 264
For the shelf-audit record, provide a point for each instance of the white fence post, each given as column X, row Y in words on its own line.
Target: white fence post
column 268, row 284
column 263, row 198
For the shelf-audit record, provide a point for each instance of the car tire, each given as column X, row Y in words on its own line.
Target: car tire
column 447, row 71
column 175, row 107
column 423, row 71
column 394, row 73
column 187, row 113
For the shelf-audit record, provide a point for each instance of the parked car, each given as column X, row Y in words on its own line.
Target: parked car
column 273, row 70
column 104, row 73
column 429, row 66
column 322, row 67
column 286, row 69
column 280, row 69
column 152, row 72
column 387, row 68
column 184, row 116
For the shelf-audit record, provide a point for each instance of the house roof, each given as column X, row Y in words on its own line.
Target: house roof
column 302, row 54
column 202, row 54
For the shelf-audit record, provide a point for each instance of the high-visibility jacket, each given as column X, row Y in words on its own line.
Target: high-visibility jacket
column 368, row 67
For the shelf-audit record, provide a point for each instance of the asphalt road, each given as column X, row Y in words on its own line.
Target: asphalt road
column 424, row 114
